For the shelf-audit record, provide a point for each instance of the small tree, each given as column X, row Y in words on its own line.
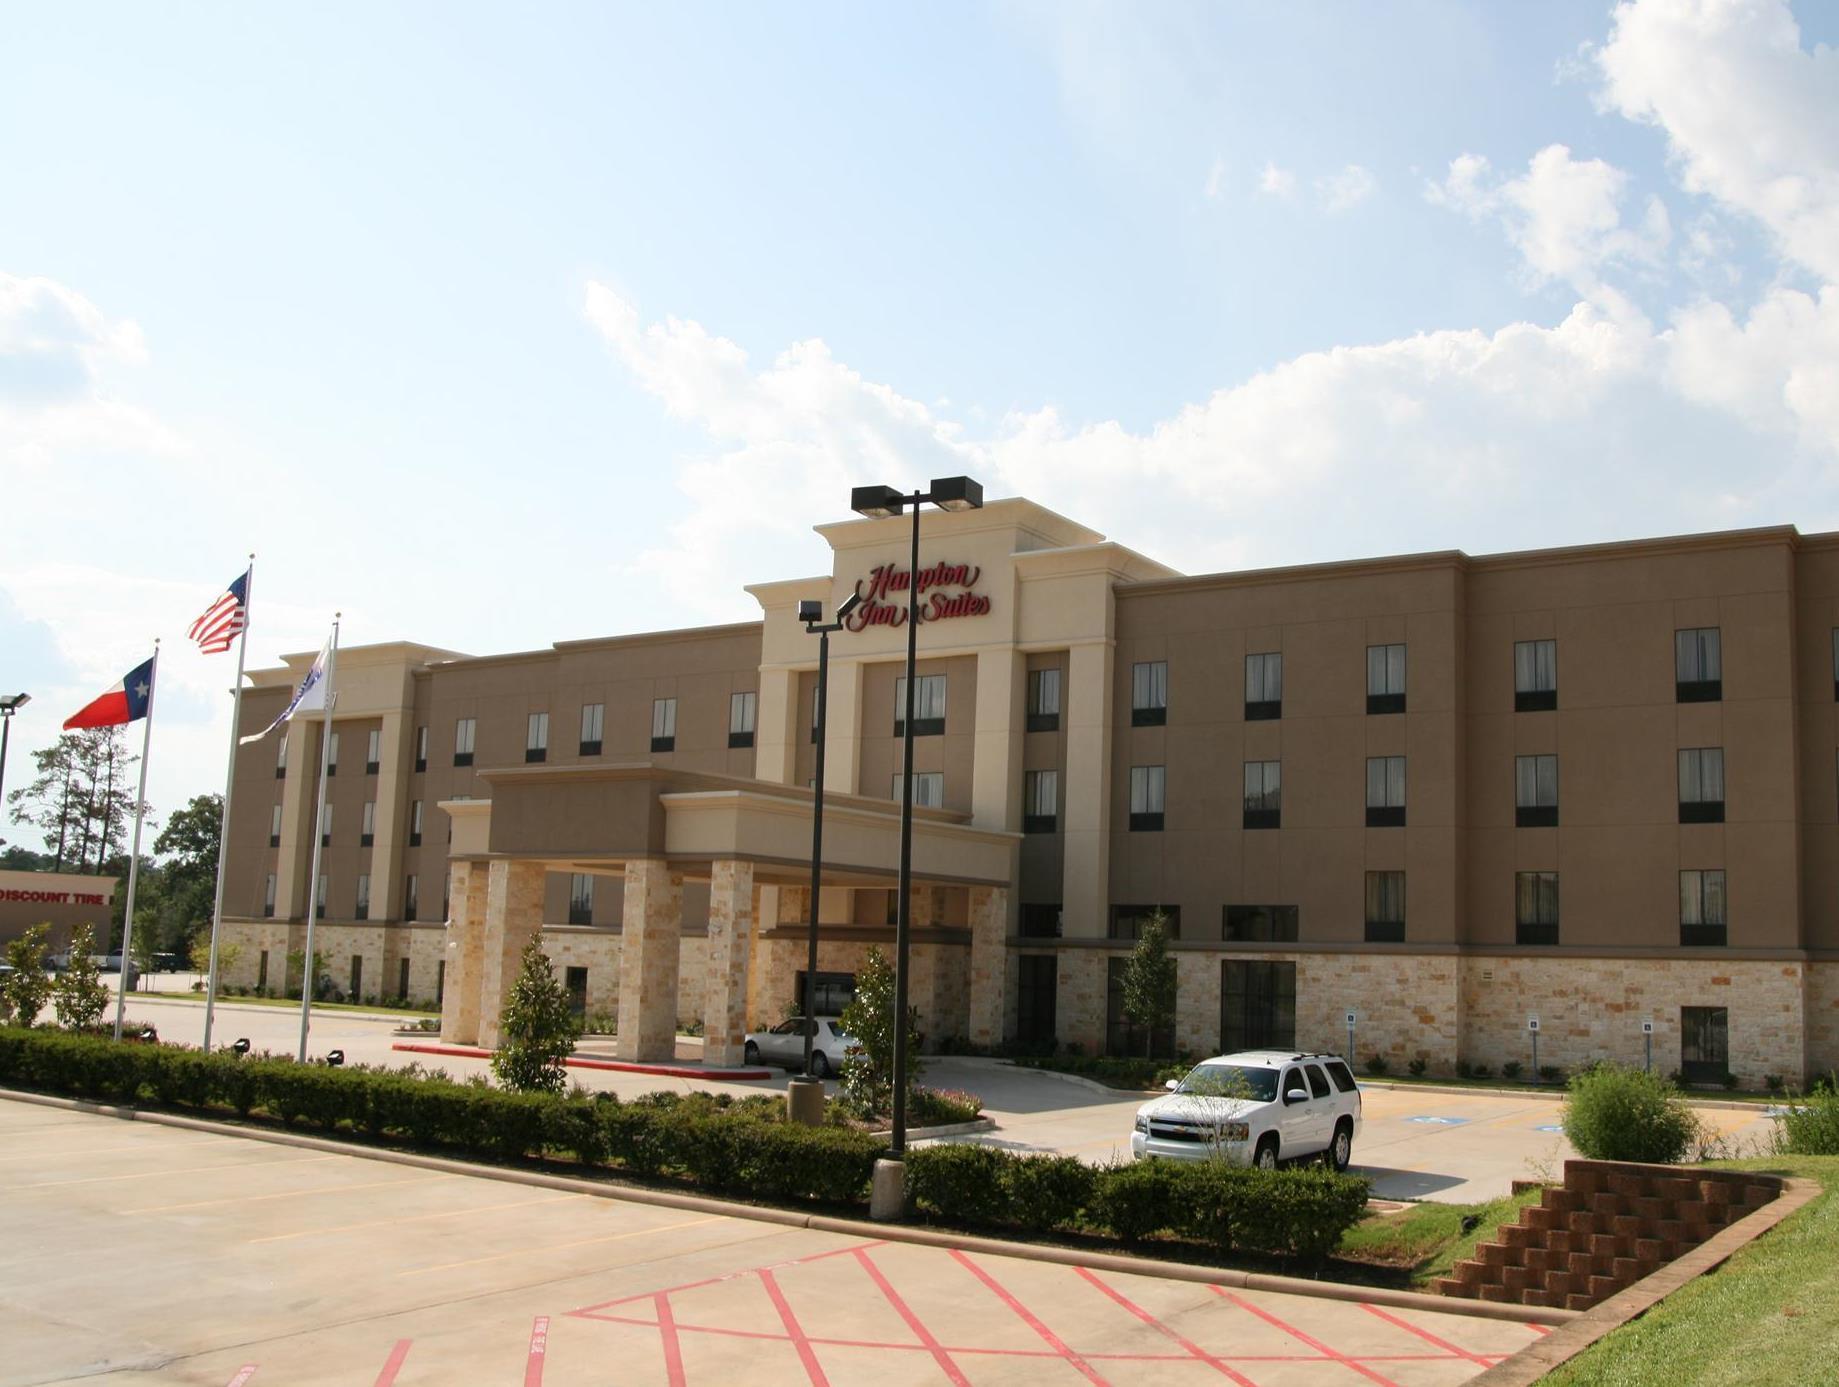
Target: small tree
column 868, row 1073
column 538, row 1028
column 227, row 955
column 1149, row 980
column 28, row 986
column 78, row 994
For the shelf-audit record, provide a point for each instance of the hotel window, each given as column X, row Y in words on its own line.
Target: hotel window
column 1385, row 792
column 363, row 911
column 1040, row 801
column 536, row 738
column 580, row 899
column 261, row 970
column 268, row 896
column 367, row 834
column 325, row 889
column 1836, row 664
column 742, row 709
column 1044, row 700
column 1701, row 785
column 1702, row 903
column 1146, row 786
column 332, row 755
column 814, row 715
column 1535, row 907
column 1040, row 921
column 1704, row 1044
column 402, row 980
column 281, row 757
column 274, row 827
column 1149, row 694
column 1257, row 1005
column 1385, row 679
column 1263, row 794
column 373, row 752
column 415, row 823
column 325, row 828
column 421, row 748
column 1037, row 981
column 1535, row 676
column 574, row 981
column 1264, row 686
column 411, row 898
column 1385, row 907
column 664, row 724
column 1259, row 924
column 464, row 731
column 593, row 722
column 928, row 705
column 928, row 789
column 1535, row 792
column 1127, row 921
column 357, row 975
column 1698, row 665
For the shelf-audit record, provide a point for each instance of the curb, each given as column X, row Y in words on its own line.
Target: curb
column 247, row 1009
column 885, row 1232
column 673, row 1071
column 1556, row 1094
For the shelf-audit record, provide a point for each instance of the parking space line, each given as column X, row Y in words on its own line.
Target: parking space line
column 192, row 1170
column 1331, row 1353
column 560, row 1247
column 1028, row 1317
column 393, row 1364
column 539, row 1351
column 1194, row 1349
column 673, row 1348
column 1427, row 1336
column 243, row 1374
column 794, row 1331
column 409, row 1218
column 284, row 1194
column 36, row 1155
column 914, row 1323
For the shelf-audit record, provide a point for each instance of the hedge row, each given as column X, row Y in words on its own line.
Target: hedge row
column 1299, row 1212
column 739, row 1147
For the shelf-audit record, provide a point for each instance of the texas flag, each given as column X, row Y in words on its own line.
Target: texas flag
column 126, row 702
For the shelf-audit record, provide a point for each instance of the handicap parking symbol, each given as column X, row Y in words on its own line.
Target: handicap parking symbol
column 1548, row 1127
column 1438, row 1121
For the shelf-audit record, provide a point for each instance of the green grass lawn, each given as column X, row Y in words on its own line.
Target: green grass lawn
column 1428, row 1239
column 291, row 1003
column 1692, row 1095
column 1769, row 1315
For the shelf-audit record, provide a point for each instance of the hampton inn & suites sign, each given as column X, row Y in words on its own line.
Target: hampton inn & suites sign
column 943, row 591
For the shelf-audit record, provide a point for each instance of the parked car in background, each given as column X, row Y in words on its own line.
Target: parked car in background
column 784, row 1045
column 1256, row 1107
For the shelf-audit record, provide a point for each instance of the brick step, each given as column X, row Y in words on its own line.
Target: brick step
column 1450, row 1286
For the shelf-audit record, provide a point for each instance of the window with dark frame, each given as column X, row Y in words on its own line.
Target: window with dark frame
column 1263, row 795
column 415, row 823
column 332, row 755
column 1264, row 686
column 593, row 725
column 928, row 705
column 536, row 738
column 274, row 827
column 1259, row 924
column 1039, row 920
column 574, row 982
column 367, row 831
column 742, row 709
column 1535, row 791
column 1385, row 907
column 1036, row 989
column 1044, row 700
column 1698, row 665
column 373, row 752
column 268, row 898
column 357, row 974
column 325, row 826
column 1535, row 676
column 664, row 724
column 580, row 898
column 421, row 748
column 1385, row 678
column 281, row 757
column 1040, row 801
column 325, row 889
column 1385, row 792
column 1836, row 664
column 1257, row 1005
column 1703, row 906
column 363, row 905
column 402, row 980
column 1535, row 908
column 411, row 898
column 1704, row 1044
column 1701, row 785
column 928, row 789
column 1149, row 693
column 1146, row 799
column 1127, row 921
column 464, row 731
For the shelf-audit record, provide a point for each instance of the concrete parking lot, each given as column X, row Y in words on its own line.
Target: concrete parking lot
column 155, row 1255
column 1415, row 1143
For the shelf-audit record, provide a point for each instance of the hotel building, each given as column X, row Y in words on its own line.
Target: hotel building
column 1596, row 788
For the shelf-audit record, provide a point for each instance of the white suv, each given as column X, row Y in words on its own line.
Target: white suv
column 1255, row 1107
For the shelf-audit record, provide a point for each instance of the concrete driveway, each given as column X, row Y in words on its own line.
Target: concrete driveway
column 155, row 1255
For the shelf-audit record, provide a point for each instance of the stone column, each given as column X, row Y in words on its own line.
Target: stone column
column 464, row 952
column 724, row 1004
column 1086, row 898
column 989, row 921
column 648, row 962
column 513, row 913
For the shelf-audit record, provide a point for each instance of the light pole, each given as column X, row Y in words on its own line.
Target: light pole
column 9, row 704
column 879, row 503
column 812, row 614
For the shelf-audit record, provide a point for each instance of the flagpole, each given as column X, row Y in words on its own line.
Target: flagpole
column 319, row 841
column 229, row 785
column 140, row 809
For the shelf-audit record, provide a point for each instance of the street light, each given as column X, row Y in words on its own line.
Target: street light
column 812, row 614
column 9, row 704
column 880, row 503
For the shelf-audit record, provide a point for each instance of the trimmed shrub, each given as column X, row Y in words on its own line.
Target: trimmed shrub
column 1137, row 1200
column 1047, row 1192
column 959, row 1181
column 1810, row 1126
column 1617, row 1114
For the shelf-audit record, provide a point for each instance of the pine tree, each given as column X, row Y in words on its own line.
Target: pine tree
column 538, row 1028
column 78, row 994
column 1149, row 980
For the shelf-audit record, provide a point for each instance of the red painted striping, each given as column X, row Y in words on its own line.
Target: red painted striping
column 539, row 1351
column 1195, row 1349
column 674, row 1071
column 243, row 1374
column 792, row 1330
column 394, row 1363
column 1027, row 1317
column 1427, row 1336
column 1301, row 1337
column 673, row 1350
column 1538, row 1328
column 589, row 1311
column 924, row 1335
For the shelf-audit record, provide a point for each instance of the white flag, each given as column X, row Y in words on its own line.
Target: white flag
column 309, row 697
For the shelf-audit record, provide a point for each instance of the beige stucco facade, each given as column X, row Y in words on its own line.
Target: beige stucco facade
column 696, row 843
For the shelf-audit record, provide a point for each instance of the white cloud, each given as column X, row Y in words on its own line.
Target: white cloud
column 1276, row 182
column 1343, row 191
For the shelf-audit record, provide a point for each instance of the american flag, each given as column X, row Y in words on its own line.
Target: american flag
column 216, row 631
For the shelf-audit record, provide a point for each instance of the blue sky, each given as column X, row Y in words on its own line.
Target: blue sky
column 598, row 309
